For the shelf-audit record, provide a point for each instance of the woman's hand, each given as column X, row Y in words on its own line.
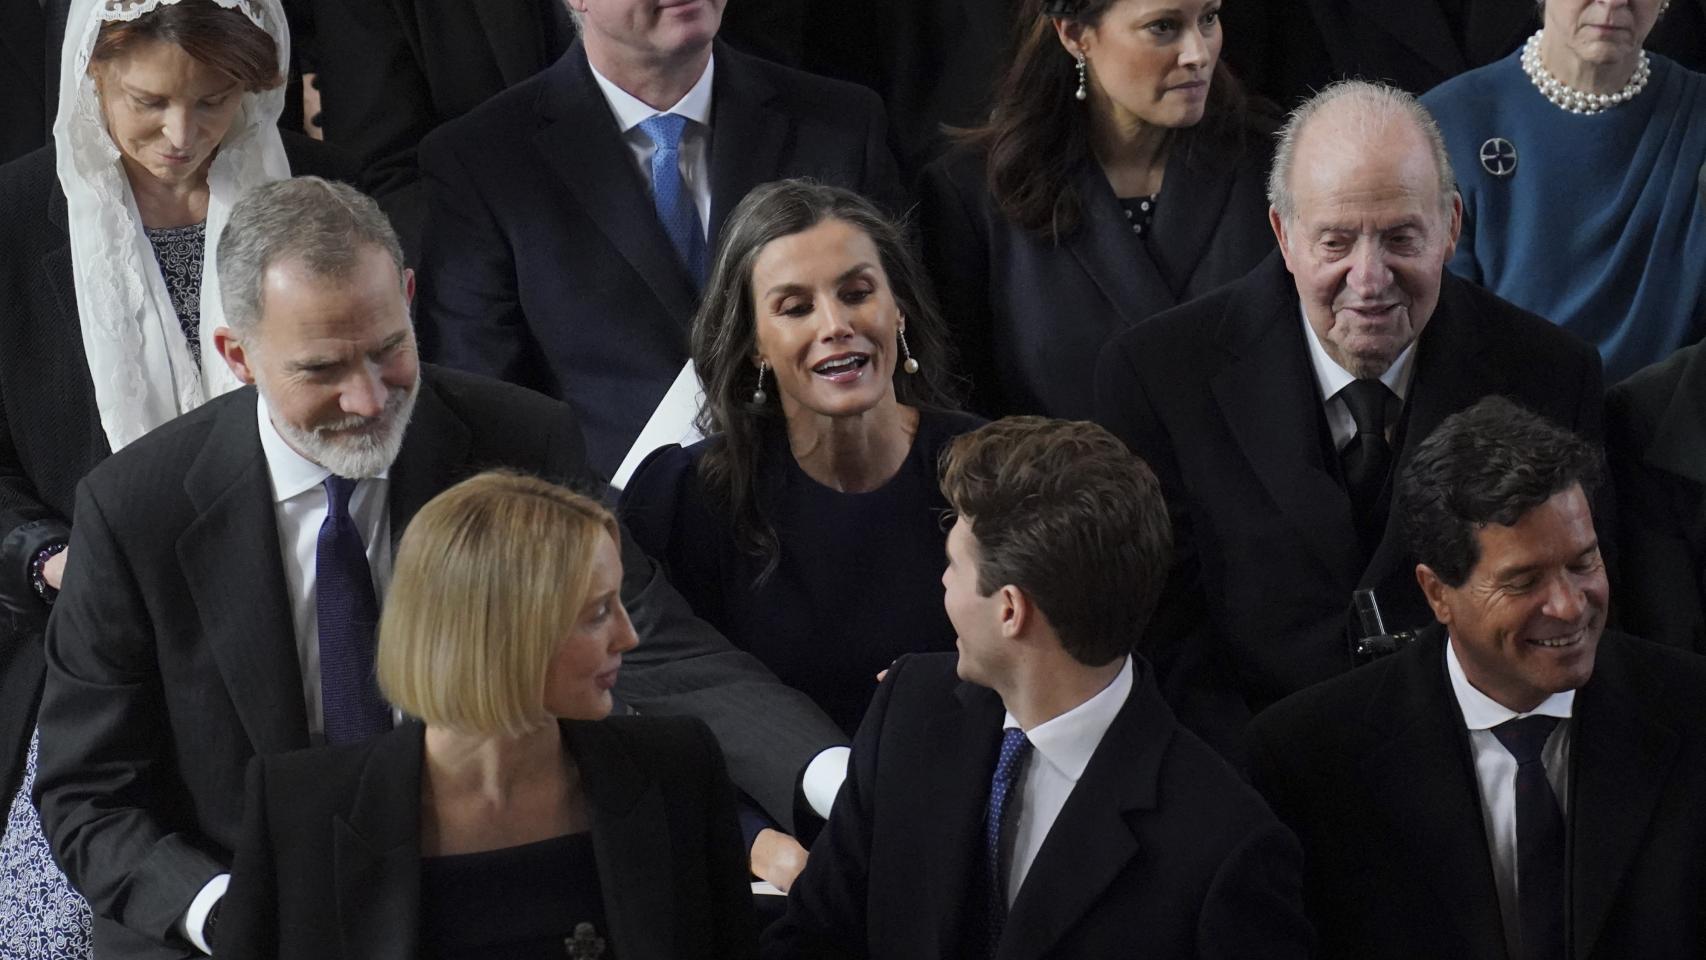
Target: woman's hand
column 777, row 858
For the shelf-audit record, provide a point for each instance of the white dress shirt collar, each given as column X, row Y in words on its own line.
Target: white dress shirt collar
column 631, row 111
column 1332, row 378
column 1481, row 712
column 1067, row 741
column 291, row 472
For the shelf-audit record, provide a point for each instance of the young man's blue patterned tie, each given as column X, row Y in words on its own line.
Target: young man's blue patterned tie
column 1540, row 866
column 676, row 208
column 348, row 613
column 997, row 833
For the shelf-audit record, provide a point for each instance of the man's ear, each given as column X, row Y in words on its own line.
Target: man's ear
column 1016, row 612
column 236, row 355
column 1435, row 590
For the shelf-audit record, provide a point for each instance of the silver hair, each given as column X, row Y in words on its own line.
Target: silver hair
column 1377, row 105
column 318, row 223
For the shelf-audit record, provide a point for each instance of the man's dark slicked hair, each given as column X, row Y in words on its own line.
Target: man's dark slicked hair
column 1488, row 464
column 1063, row 511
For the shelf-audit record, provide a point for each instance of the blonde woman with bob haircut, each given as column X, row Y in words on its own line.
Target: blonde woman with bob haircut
column 511, row 817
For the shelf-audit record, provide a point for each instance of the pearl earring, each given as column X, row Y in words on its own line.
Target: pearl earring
column 1083, row 80
column 758, row 394
column 910, row 365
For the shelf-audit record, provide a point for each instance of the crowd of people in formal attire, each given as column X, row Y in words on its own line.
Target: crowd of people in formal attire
column 899, row 479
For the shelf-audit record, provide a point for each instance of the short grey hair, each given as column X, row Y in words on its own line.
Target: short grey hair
column 318, row 223
column 1377, row 104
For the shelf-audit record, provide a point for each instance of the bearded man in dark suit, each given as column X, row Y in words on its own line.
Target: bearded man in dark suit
column 228, row 568
column 1275, row 409
column 1520, row 782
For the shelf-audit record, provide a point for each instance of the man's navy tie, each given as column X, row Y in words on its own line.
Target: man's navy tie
column 997, row 835
column 347, row 613
column 1539, row 840
column 676, row 208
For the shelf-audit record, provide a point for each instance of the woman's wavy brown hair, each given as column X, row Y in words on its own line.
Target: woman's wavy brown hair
column 724, row 341
column 1038, row 133
column 220, row 37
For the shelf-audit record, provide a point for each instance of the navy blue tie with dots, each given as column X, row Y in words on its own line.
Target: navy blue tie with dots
column 1539, row 840
column 675, row 204
column 997, row 835
column 347, row 612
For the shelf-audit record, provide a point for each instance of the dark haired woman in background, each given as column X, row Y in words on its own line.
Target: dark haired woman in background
column 168, row 111
column 1120, row 174
column 808, row 527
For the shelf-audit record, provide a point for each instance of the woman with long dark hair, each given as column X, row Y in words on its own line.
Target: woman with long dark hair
column 807, row 527
column 1121, row 173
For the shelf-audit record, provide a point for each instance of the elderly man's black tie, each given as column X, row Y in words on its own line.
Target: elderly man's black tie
column 1540, row 864
column 1368, row 456
column 347, row 612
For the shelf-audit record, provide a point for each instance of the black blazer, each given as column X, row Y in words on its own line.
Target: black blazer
column 27, row 56
column 329, row 860
column 544, row 263
column 50, row 431
column 1288, row 49
column 1374, row 772
column 1159, row 852
column 1219, row 397
column 1656, row 446
column 171, row 659
column 1030, row 315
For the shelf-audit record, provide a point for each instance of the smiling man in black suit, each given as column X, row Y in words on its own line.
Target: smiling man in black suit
column 571, row 219
column 1520, row 782
column 1033, row 797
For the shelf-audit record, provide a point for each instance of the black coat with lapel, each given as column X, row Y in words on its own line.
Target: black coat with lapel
column 50, row 431
column 1373, row 771
column 1030, row 314
column 171, row 655
column 1288, row 49
column 26, row 88
column 1220, row 398
column 1656, row 446
column 544, row 262
column 329, row 860
column 1160, row 851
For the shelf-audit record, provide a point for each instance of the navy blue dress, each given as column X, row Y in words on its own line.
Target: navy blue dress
column 859, row 580
column 537, row 901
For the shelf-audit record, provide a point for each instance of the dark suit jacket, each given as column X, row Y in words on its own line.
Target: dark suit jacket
column 1374, row 772
column 50, row 432
column 392, row 71
column 1656, row 446
column 171, row 658
column 544, row 262
column 1030, row 315
column 27, row 55
column 329, row 861
column 1219, row 397
column 1159, row 852
column 1287, row 49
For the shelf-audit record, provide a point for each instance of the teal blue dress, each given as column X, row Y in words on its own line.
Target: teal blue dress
column 1596, row 222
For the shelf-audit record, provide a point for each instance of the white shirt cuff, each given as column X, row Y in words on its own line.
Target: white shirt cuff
column 200, row 907
column 823, row 779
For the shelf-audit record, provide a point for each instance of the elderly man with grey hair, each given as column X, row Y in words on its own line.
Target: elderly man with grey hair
column 229, row 568
column 1275, row 409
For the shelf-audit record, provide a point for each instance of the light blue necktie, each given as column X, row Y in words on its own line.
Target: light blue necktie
column 676, row 208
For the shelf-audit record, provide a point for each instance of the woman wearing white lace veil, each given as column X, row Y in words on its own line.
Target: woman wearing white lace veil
column 168, row 111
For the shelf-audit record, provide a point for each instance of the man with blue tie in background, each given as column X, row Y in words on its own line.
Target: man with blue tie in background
column 570, row 220
column 1034, row 796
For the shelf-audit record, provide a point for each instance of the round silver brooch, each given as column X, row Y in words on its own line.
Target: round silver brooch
column 1498, row 157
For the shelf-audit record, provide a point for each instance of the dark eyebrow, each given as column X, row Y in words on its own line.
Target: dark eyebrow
column 394, row 340
column 846, row 275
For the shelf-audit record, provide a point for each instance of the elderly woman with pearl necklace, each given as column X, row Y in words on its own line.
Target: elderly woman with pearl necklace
column 1579, row 159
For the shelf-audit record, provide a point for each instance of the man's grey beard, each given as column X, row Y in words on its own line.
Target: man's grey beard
column 359, row 455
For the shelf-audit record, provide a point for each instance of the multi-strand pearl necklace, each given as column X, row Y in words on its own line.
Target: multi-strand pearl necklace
column 1571, row 99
